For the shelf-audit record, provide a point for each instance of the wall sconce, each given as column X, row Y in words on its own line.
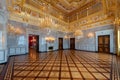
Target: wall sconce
column 90, row 35
column 50, row 39
column 12, row 29
column 66, row 37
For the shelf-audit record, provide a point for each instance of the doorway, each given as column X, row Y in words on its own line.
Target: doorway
column 60, row 43
column 104, row 44
column 34, row 43
column 72, row 43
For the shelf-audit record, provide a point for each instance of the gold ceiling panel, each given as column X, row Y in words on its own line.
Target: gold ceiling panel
column 61, row 9
column 66, row 6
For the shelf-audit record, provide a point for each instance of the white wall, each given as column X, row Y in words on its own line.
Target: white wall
column 87, row 44
column 66, row 43
column 56, row 44
column 3, row 30
column 84, row 43
column 15, row 49
column 15, row 44
column 3, row 5
column 90, row 44
column 43, row 45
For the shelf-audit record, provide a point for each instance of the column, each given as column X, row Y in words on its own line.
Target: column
column 117, row 25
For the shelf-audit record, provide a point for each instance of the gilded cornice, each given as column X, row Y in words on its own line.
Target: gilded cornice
column 96, row 19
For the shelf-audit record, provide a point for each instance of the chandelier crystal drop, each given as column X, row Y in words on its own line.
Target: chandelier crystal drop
column 46, row 22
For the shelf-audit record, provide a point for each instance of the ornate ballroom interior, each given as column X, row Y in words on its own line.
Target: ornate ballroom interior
column 59, row 39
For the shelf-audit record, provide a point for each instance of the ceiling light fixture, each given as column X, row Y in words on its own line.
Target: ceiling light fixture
column 90, row 35
column 78, row 33
column 46, row 21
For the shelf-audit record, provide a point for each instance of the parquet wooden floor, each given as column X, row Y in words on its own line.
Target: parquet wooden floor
column 60, row 65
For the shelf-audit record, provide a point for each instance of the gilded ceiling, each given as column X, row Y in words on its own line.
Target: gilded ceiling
column 66, row 6
column 69, row 14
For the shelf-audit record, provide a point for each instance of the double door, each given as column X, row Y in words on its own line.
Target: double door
column 104, row 44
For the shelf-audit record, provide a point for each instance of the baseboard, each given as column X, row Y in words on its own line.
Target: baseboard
column 3, row 63
column 47, row 51
column 42, row 51
column 86, row 50
column 17, row 54
column 66, row 49
column 113, row 53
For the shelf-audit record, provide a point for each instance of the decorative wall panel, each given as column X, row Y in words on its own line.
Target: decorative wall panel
column 12, row 51
column 2, row 55
column 17, row 50
column 66, row 44
column 3, row 31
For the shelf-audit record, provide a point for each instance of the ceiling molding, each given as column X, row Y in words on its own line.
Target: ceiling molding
column 83, row 7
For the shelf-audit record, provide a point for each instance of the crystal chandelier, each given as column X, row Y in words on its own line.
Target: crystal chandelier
column 13, row 30
column 67, row 36
column 46, row 21
column 25, row 16
column 78, row 33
